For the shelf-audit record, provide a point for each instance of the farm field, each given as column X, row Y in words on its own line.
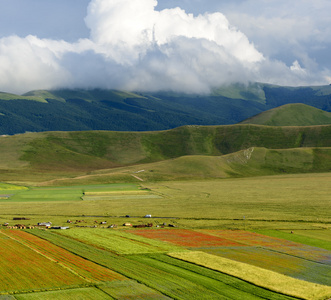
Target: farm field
column 171, row 277
column 296, row 260
column 273, row 202
column 28, row 270
column 82, row 267
column 69, row 194
column 245, row 221
column 70, row 294
column 317, row 238
column 261, row 277
column 120, row 242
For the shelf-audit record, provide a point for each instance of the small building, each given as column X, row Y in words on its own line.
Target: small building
column 60, row 227
column 45, row 224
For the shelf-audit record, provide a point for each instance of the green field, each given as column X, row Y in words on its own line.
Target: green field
column 273, row 202
column 68, row 194
column 70, row 294
column 259, row 276
column 165, row 277
column 316, row 238
column 241, row 228
column 118, row 241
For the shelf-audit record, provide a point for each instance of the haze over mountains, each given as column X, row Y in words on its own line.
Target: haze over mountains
column 75, row 110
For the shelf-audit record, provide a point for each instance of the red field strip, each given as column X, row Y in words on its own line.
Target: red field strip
column 24, row 269
column 276, row 244
column 186, row 238
column 83, row 267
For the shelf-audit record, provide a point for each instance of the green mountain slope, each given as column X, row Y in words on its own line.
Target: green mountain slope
column 63, row 153
column 291, row 115
column 73, row 110
column 253, row 161
column 27, row 97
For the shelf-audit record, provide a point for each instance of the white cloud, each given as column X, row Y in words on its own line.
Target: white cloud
column 28, row 63
column 134, row 46
column 286, row 31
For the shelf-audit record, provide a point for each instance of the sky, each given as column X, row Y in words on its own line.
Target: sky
column 190, row 46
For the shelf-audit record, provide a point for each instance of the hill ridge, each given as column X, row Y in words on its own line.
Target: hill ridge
column 97, row 109
column 291, row 114
column 86, row 151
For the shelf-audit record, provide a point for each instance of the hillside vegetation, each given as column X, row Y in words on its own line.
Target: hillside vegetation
column 291, row 115
column 97, row 109
column 62, row 153
column 245, row 163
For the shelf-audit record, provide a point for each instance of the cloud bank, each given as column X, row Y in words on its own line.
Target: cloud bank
column 133, row 46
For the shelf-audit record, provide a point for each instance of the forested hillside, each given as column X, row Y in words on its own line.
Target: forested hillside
column 76, row 110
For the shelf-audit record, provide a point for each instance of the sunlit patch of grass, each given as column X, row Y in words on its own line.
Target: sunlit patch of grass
column 261, row 277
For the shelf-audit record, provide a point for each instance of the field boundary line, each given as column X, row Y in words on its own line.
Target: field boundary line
column 48, row 257
column 137, row 177
column 293, row 255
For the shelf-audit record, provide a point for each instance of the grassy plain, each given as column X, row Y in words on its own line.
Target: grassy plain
column 89, row 293
column 288, row 202
column 131, row 289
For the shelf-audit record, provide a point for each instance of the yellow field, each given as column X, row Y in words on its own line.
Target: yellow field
column 258, row 276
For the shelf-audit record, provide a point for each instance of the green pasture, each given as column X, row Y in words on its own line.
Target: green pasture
column 11, row 187
column 316, row 234
column 288, row 202
column 316, row 238
column 47, row 196
column 68, row 194
column 89, row 293
column 130, row 289
column 119, row 241
column 116, row 187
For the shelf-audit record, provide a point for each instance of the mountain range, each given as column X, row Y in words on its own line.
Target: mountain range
column 78, row 109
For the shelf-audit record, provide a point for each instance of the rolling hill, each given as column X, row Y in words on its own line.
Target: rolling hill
column 48, row 155
column 79, row 110
column 255, row 161
column 296, row 114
